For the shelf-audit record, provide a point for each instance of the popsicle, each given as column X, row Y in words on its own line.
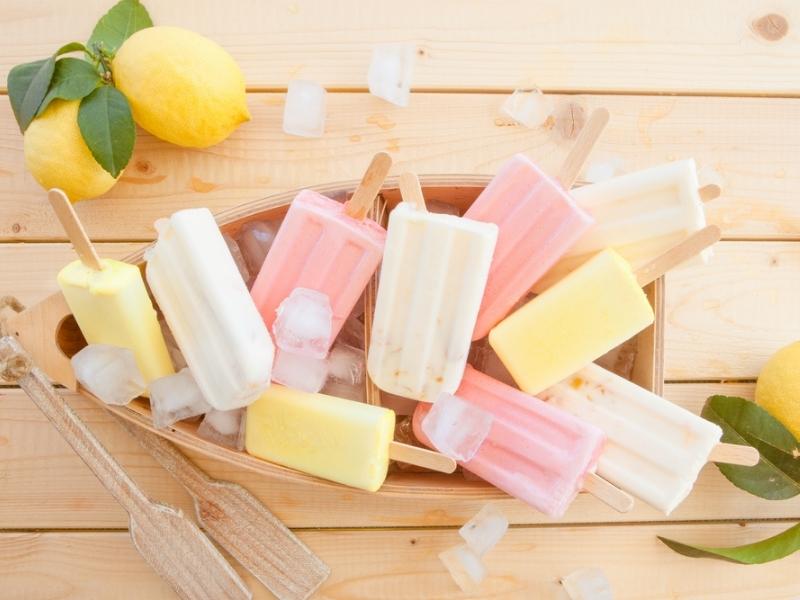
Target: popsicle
column 655, row 448
column 593, row 309
column 329, row 437
column 205, row 302
column 534, row 452
column 537, row 223
column 108, row 298
column 640, row 215
column 325, row 246
column 432, row 280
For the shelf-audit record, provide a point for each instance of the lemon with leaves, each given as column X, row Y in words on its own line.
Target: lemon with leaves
column 57, row 155
column 182, row 87
column 778, row 387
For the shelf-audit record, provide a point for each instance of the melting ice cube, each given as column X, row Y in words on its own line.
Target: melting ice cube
column 603, row 168
column 455, row 427
column 346, row 370
column 304, row 112
column 528, row 107
column 353, row 333
column 465, row 567
column 356, row 393
column 224, row 427
column 588, row 584
column 255, row 239
column 175, row 398
column 238, row 258
column 484, row 530
column 299, row 372
column 304, row 323
column 390, row 72
column 109, row 372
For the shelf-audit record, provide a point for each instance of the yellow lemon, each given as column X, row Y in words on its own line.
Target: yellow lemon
column 778, row 387
column 57, row 156
column 182, row 87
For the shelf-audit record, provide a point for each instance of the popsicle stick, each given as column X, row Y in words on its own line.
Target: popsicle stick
column 608, row 493
column 587, row 138
column 362, row 199
column 240, row 524
column 422, row 457
column 169, row 542
column 411, row 191
column 735, row 454
column 709, row 192
column 74, row 229
column 691, row 246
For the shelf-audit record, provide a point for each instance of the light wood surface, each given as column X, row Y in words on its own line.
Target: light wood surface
column 716, row 80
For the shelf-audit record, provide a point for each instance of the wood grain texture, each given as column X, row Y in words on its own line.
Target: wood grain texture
column 403, row 564
column 626, row 46
column 46, row 486
column 744, row 144
column 724, row 319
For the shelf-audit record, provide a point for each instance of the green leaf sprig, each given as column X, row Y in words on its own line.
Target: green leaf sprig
column 104, row 117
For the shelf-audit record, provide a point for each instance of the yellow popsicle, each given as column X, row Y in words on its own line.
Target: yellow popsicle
column 333, row 438
column 112, row 307
column 593, row 309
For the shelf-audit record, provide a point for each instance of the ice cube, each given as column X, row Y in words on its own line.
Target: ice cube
column 175, row 398
column 357, row 393
column 255, row 239
column 346, row 364
column 238, row 258
column 299, row 372
column 224, row 427
column 352, row 333
column 485, row 529
column 455, row 427
column 465, row 567
column 443, row 208
column 304, row 323
column 109, row 372
column 390, row 72
column 304, row 112
column 603, row 168
column 588, row 584
column 172, row 346
column 528, row 107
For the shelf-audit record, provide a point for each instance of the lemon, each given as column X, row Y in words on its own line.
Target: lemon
column 57, row 156
column 182, row 87
column 778, row 387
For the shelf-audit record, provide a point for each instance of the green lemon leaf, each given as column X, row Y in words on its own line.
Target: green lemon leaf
column 73, row 79
column 777, row 475
column 27, row 87
column 71, row 47
column 124, row 19
column 774, row 548
column 107, row 127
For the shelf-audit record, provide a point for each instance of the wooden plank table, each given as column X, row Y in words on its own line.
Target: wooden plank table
column 732, row 72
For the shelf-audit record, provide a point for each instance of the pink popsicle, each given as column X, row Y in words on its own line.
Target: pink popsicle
column 538, row 223
column 534, row 451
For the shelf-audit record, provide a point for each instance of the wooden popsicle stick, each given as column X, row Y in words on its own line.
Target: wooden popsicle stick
column 74, row 229
column 240, row 524
column 168, row 541
column 608, row 493
column 411, row 191
column 691, row 246
column 709, row 192
column 422, row 457
column 735, row 454
column 363, row 198
column 587, row 138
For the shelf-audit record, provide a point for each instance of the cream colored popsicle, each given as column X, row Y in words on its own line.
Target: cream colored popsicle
column 329, row 437
column 197, row 285
column 640, row 215
column 593, row 309
column 108, row 299
column 655, row 448
column 433, row 276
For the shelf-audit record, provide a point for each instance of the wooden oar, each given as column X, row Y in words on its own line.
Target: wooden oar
column 169, row 542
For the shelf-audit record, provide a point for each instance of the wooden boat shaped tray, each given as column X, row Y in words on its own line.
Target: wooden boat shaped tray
column 51, row 335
